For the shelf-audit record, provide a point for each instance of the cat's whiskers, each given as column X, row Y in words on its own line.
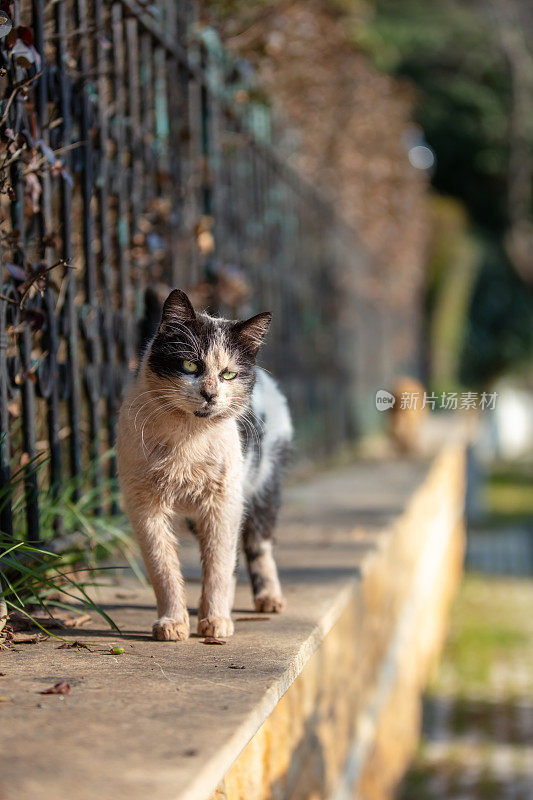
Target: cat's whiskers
column 249, row 427
column 253, row 424
column 141, row 394
column 168, row 398
column 247, row 409
column 148, row 402
column 157, row 409
column 156, row 414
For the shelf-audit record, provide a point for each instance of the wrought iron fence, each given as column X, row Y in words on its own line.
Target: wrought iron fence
column 125, row 163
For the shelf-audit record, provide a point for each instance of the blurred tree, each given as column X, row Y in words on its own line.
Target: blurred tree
column 499, row 334
column 514, row 23
column 453, row 260
column 473, row 66
column 453, row 56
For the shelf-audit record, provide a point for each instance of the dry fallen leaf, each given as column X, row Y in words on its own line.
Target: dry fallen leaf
column 212, row 640
column 68, row 645
column 60, row 688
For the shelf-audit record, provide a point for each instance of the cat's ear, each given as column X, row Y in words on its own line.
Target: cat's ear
column 178, row 309
column 251, row 332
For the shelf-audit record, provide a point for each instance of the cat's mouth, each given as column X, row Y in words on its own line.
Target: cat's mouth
column 207, row 413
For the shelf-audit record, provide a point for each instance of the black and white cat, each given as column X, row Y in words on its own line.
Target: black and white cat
column 203, row 437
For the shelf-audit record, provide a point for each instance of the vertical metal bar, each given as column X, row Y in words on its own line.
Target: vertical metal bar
column 205, row 106
column 51, row 343
column 212, row 138
column 91, row 310
column 147, row 118
column 184, row 267
column 134, row 137
column 85, row 152
column 161, row 110
column 102, row 183
column 24, row 337
column 177, row 121
column 6, row 515
column 123, row 225
column 45, row 226
column 71, row 319
column 29, row 438
column 194, row 206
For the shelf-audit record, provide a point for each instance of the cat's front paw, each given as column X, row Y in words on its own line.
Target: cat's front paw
column 170, row 630
column 267, row 603
column 215, row 626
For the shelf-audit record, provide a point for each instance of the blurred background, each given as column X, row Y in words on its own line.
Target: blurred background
column 364, row 168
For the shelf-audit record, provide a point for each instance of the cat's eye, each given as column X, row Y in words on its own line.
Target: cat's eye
column 190, row 366
column 228, row 375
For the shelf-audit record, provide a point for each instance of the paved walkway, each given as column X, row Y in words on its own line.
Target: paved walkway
column 166, row 720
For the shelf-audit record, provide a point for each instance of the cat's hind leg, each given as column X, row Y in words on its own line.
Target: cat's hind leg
column 257, row 538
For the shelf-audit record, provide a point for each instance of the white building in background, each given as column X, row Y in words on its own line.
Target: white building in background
column 507, row 431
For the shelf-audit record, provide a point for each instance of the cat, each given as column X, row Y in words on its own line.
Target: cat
column 203, row 436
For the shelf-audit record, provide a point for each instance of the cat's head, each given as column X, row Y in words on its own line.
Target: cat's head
column 204, row 365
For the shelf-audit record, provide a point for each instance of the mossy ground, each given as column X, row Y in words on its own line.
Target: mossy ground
column 490, row 643
column 477, row 737
column 509, row 494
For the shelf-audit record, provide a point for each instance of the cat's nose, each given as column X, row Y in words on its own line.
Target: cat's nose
column 207, row 395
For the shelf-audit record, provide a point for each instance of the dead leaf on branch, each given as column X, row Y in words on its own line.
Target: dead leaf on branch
column 36, row 276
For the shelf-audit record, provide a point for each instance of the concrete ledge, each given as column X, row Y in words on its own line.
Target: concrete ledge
column 327, row 702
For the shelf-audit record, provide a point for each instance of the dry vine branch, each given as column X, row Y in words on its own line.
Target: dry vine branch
column 16, row 90
column 27, row 285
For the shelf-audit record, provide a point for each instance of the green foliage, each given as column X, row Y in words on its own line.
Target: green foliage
column 31, row 573
column 451, row 53
column 500, row 320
